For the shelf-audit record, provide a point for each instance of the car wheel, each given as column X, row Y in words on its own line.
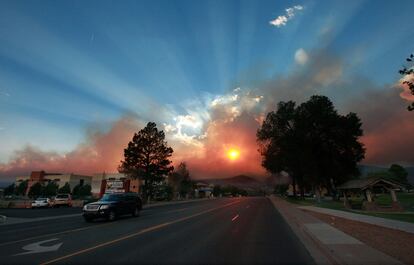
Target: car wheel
column 135, row 213
column 111, row 216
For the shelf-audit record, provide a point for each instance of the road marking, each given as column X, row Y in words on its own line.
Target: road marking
column 79, row 229
column 146, row 230
column 234, row 218
column 37, row 247
column 53, row 234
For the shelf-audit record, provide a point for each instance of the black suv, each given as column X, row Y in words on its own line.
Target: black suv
column 112, row 205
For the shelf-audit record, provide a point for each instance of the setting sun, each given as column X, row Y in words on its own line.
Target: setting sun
column 233, row 154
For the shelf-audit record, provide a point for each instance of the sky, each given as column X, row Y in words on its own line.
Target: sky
column 78, row 78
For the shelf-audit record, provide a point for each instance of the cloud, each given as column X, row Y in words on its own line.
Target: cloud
column 283, row 19
column 101, row 151
column 206, row 127
column 406, row 92
column 301, row 57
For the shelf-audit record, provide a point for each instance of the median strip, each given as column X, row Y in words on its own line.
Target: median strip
column 143, row 231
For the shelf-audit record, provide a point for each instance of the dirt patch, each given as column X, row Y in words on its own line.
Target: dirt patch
column 397, row 244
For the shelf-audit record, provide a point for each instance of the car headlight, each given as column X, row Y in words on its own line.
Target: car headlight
column 104, row 206
column 84, row 207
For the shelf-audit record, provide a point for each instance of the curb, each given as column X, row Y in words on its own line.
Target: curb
column 326, row 244
column 320, row 253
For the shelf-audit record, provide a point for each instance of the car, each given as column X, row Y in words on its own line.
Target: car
column 62, row 200
column 41, row 203
column 113, row 205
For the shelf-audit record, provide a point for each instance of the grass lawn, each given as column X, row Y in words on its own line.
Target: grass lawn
column 406, row 200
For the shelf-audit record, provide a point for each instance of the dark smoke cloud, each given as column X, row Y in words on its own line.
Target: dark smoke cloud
column 388, row 126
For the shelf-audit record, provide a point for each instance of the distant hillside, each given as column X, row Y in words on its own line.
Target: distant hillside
column 240, row 181
column 366, row 169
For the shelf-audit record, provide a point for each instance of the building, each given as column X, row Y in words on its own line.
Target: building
column 113, row 182
column 58, row 178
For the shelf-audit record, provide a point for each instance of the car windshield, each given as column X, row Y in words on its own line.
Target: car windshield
column 62, row 196
column 111, row 197
column 41, row 199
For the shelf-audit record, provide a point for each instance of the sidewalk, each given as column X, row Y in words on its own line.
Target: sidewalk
column 392, row 224
column 326, row 244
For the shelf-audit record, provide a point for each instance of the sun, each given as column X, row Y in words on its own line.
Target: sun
column 233, row 154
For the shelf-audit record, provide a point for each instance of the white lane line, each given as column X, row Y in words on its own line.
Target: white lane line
column 234, row 218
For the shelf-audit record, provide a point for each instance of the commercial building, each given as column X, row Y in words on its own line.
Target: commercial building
column 58, row 178
column 100, row 183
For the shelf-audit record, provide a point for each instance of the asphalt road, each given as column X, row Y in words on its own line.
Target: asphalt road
column 220, row 231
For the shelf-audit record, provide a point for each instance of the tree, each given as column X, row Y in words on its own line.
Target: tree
column 312, row 143
column 217, row 191
column 36, row 190
column 399, row 173
column 408, row 79
column 147, row 158
column 181, row 180
column 9, row 190
column 82, row 190
column 65, row 188
column 50, row 189
column 22, row 187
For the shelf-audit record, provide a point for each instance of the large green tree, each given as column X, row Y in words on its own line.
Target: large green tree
column 399, row 173
column 22, row 187
column 314, row 144
column 181, row 180
column 9, row 190
column 65, row 188
column 50, row 189
column 147, row 158
column 36, row 190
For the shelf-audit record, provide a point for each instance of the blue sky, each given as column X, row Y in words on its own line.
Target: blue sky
column 65, row 65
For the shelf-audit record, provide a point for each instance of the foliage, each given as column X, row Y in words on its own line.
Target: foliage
column 9, row 190
column 36, row 190
column 408, row 71
column 50, row 189
column 399, row 173
column 181, row 180
column 217, row 191
column 81, row 191
column 314, row 144
column 147, row 158
column 22, row 187
column 281, row 189
column 65, row 188
column 395, row 173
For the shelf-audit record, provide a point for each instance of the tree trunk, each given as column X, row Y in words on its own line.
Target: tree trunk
column 317, row 193
column 294, row 187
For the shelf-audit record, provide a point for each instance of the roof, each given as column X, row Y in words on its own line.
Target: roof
column 365, row 183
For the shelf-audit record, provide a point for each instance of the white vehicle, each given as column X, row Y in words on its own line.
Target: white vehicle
column 41, row 203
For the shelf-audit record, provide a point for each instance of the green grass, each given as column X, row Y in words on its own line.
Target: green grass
column 406, row 200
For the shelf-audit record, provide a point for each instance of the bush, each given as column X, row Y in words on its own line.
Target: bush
column 281, row 189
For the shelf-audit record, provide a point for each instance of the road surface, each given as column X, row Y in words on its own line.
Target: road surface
column 229, row 230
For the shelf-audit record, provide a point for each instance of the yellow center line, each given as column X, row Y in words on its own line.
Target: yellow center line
column 146, row 230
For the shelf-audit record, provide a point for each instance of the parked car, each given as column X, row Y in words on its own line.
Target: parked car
column 41, row 203
column 112, row 205
column 62, row 200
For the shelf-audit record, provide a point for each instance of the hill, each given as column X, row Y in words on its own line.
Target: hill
column 239, row 181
